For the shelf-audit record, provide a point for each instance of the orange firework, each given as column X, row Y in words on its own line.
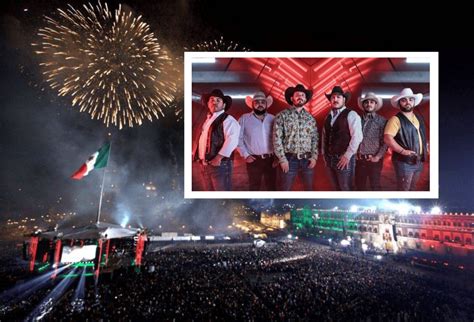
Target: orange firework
column 110, row 64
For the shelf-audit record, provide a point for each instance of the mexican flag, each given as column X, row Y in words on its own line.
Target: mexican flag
column 97, row 160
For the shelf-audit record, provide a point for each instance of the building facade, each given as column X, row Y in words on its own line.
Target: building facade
column 440, row 234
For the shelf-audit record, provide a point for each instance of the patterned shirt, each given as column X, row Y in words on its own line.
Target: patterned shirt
column 295, row 132
column 373, row 126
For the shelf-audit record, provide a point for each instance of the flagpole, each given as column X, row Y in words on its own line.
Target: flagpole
column 100, row 199
column 102, row 187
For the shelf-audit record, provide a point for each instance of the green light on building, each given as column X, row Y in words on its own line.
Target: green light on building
column 42, row 268
column 75, row 275
column 83, row 264
column 315, row 220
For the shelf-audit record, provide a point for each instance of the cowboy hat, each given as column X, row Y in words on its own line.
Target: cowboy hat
column 217, row 93
column 258, row 96
column 338, row 90
column 371, row 96
column 298, row 88
column 406, row 92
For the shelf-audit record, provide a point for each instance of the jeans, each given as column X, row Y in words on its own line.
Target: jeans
column 341, row 179
column 218, row 178
column 366, row 169
column 286, row 180
column 261, row 169
column 407, row 174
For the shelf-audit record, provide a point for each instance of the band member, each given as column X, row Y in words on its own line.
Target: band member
column 342, row 134
column 295, row 140
column 217, row 142
column 405, row 134
column 255, row 141
column 372, row 148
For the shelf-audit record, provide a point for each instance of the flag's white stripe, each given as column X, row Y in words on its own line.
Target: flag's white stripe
column 91, row 162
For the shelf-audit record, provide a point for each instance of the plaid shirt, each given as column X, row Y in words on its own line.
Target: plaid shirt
column 295, row 132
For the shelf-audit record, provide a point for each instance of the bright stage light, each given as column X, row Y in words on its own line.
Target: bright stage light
column 418, row 60
column 124, row 221
column 403, row 208
column 436, row 210
column 345, row 242
column 204, row 60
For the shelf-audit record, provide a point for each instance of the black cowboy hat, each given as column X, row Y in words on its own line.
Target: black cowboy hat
column 298, row 88
column 217, row 93
column 338, row 90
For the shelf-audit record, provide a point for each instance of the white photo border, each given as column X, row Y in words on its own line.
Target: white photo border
column 433, row 192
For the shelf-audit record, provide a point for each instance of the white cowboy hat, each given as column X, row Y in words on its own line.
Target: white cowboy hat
column 258, row 96
column 406, row 92
column 372, row 96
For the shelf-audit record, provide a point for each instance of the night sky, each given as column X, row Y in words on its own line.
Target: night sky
column 43, row 140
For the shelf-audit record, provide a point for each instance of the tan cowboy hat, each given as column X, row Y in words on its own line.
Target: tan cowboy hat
column 371, row 96
column 258, row 96
column 406, row 92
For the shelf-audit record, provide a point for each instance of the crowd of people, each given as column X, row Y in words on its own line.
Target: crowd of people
column 298, row 281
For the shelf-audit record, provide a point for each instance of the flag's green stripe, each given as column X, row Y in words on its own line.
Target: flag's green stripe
column 103, row 156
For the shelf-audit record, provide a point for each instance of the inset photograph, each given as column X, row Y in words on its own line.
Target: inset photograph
column 311, row 125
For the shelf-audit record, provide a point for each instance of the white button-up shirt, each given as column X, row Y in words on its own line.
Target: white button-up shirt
column 231, row 135
column 255, row 135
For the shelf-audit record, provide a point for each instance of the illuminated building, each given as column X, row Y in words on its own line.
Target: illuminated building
column 274, row 221
column 441, row 234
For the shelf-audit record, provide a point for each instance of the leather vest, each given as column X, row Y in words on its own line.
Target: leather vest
column 407, row 137
column 337, row 136
column 216, row 138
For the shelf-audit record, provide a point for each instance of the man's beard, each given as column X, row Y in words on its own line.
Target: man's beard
column 369, row 111
column 259, row 112
column 299, row 104
column 407, row 109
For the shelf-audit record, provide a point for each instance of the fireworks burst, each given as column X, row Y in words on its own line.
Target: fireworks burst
column 178, row 103
column 110, row 64
column 218, row 45
column 212, row 45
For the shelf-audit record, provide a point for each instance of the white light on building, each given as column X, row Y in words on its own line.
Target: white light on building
column 436, row 210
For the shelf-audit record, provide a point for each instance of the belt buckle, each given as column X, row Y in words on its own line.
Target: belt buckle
column 298, row 156
column 263, row 156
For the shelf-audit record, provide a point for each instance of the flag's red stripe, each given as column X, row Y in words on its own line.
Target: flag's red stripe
column 80, row 173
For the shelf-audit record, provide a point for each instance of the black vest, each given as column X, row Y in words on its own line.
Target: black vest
column 337, row 136
column 216, row 134
column 407, row 137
